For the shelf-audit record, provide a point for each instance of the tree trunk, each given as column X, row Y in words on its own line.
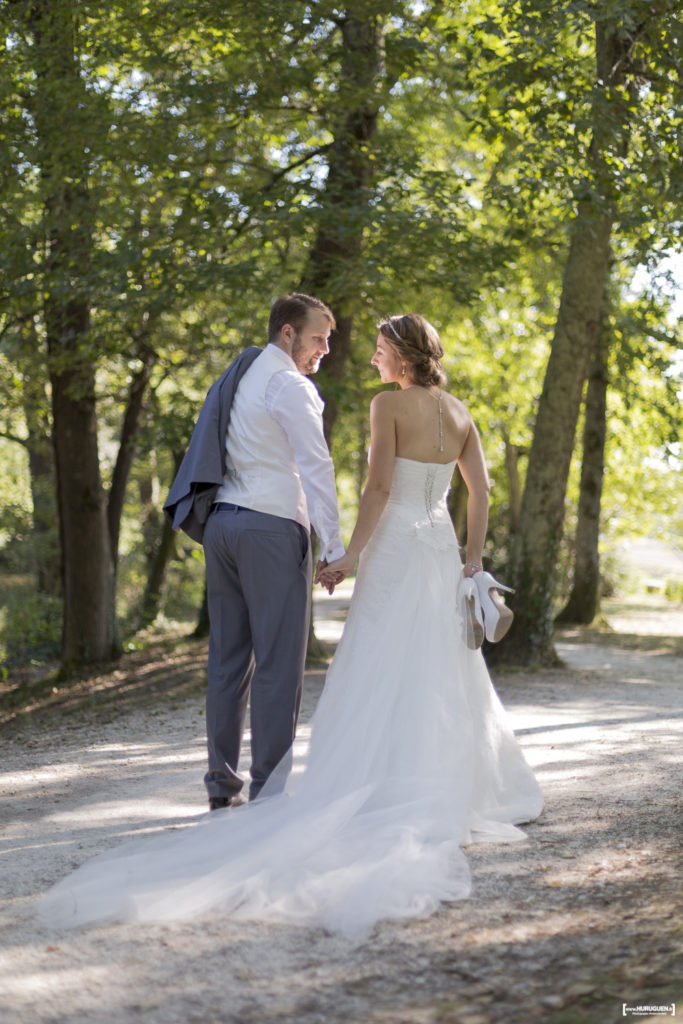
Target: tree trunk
column 335, row 256
column 45, row 536
column 512, row 455
column 89, row 630
column 542, row 516
column 159, row 550
column 151, row 600
column 584, row 599
column 127, row 441
column 583, row 286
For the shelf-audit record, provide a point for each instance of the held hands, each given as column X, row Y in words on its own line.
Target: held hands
column 330, row 575
column 324, row 578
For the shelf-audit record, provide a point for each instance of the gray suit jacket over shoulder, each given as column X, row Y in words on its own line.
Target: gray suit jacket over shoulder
column 203, row 467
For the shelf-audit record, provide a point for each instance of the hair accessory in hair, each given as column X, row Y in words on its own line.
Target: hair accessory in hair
column 389, row 324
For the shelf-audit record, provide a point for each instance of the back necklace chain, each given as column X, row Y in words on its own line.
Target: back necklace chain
column 440, row 422
column 440, row 409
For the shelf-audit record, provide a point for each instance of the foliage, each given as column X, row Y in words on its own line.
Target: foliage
column 206, row 144
column 30, row 624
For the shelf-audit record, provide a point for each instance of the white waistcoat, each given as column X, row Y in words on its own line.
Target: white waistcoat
column 261, row 472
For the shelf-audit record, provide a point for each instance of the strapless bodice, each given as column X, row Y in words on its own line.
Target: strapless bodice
column 418, row 496
column 421, row 487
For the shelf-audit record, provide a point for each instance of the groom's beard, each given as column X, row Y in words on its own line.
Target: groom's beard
column 305, row 363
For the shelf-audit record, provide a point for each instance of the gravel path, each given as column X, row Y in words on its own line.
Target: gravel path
column 568, row 926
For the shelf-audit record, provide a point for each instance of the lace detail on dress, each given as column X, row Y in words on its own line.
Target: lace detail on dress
column 429, row 487
column 418, row 501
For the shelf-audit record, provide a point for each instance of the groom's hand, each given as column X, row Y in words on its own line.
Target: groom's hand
column 334, row 572
column 330, row 580
column 324, row 578
column 327, row 579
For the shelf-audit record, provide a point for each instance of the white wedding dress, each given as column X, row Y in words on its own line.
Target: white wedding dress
column 410, row 758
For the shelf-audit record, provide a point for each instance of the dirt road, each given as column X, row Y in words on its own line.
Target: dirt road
column 581, row 922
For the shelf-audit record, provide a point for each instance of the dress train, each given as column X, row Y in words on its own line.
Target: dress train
column 411, row 757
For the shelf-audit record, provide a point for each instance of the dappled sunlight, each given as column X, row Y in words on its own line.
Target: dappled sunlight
column 166, row 668
column 113, row 976
column 522, row 929
column 635, row 666
column 57, row 981
column 512, row 171
column 641, row 680
column 571, row 740
column 330, row 611
column 552, row 771
column 135, row 749
column 615, row 865
column 658, row 619
column 601, row 738
column 107, row 793
column 39, row 776
column 99, row 761
column 595, row 728
column 116, row 811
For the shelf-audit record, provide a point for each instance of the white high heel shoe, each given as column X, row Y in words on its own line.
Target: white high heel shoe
column 497, row 616
column 473, row 617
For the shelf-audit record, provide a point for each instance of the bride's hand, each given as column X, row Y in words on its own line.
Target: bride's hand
column 330, row 575
column 329, row 581
column 341, row 567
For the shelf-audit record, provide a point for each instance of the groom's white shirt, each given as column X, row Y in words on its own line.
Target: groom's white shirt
column 277, row 457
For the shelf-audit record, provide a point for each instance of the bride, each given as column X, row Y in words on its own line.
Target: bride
column 410, row 756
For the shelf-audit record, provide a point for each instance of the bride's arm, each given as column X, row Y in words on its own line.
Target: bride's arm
column 475, row 474
column 376, row 491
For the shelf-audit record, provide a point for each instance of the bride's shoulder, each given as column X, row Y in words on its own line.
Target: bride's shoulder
column 385, row 399
column 457, row 405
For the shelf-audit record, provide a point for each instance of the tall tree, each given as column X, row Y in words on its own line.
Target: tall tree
column 334, row 263
column 584, row 599
column 60, row 100
column 26, row 404
column 41, row 470
column 387, row 155
column 584, row 279
column 99, row 107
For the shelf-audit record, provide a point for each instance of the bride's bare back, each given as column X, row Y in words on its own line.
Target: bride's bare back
column 406, row 424
column 430, row 424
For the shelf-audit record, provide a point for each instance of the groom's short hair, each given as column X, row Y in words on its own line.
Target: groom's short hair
column 293, row 310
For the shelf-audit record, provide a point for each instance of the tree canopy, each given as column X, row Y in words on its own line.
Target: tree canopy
column 168, row 170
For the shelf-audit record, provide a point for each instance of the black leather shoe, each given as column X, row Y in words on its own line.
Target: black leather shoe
column 216, row 802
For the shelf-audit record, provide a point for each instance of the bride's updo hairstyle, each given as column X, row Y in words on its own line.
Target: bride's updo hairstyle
column 418, row 343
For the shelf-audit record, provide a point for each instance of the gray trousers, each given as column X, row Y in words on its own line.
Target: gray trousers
column 258, row 576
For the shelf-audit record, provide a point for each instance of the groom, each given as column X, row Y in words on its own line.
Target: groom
column 274, row 478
